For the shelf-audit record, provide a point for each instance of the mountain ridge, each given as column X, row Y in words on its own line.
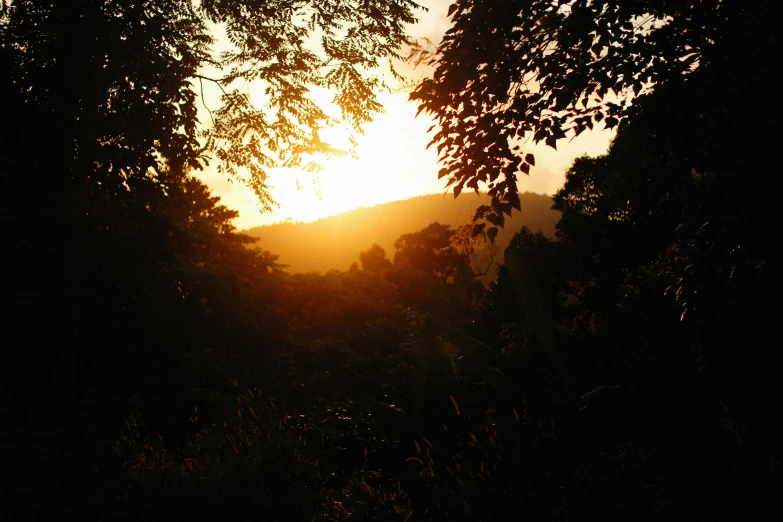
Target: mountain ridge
column 334, row 242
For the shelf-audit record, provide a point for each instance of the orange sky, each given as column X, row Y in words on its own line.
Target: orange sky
column 393, row 161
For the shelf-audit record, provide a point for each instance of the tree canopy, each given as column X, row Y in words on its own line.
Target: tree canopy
column 104, row 105
column 102, row 100
column 508, row 72
column 119, row 83
column 430, row 251
column 374, row 259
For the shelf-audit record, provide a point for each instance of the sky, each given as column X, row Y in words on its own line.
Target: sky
column 394, row 162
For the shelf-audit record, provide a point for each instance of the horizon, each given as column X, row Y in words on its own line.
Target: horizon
column 338, row 240
column 463, row 196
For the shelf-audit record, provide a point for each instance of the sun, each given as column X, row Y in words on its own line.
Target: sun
column 393, row 163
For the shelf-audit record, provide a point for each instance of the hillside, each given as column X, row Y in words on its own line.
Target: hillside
column 335, row 242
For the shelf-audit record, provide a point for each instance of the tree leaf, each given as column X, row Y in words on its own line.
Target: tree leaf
column 492, row 234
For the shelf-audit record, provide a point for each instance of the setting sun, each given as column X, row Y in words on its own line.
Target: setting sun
column 393, row 163
column 389, row 167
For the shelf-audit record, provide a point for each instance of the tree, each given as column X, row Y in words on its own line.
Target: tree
column 374, row 259
column 508, row 72
column 430, row 251
column 669, row 280
column 101, row 133
column 119, row 82
column 102, row 100
column 665, row 241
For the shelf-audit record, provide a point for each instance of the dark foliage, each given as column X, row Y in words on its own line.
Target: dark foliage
column 159, row 368
column 507, row 72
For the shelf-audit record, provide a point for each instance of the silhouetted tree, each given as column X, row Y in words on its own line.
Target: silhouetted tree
column 102, row 100
column 430, row 251
column 665, row 277
column 120, row 81
column 510, row 71
column 374, row 259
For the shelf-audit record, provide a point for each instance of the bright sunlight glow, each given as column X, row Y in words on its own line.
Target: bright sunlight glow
column 393, row 161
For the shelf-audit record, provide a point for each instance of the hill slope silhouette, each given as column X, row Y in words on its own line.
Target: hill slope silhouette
column 334, row 243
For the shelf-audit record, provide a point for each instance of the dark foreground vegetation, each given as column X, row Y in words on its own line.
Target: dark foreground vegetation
column 158, row 367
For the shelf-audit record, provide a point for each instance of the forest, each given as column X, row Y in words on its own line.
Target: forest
column 161, row 365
